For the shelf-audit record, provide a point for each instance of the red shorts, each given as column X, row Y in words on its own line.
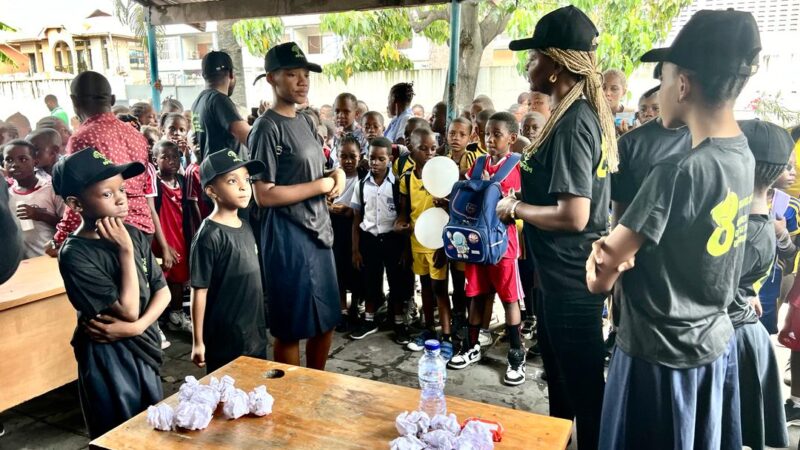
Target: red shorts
column 502, row 278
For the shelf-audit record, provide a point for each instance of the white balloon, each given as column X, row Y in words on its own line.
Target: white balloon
column 439, row 175
column 429, row 227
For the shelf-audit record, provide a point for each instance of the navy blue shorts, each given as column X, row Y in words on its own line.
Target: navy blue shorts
column 300, row 274
column 651, row 406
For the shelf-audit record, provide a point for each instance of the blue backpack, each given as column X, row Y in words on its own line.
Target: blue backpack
column 474, row 233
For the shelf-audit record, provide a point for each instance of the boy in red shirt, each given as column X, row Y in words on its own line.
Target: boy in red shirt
column 483, row 281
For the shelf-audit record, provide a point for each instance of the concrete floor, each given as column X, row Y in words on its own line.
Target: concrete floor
column 54, row 420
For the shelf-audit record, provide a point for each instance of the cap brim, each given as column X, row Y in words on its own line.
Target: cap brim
column 308, row 65
column 523, row 44
column 656, row 55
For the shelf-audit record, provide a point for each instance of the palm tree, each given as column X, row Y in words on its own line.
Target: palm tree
column 4, row 59
column 133, row 15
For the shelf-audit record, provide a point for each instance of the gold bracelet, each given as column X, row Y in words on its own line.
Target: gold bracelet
column 514, row 209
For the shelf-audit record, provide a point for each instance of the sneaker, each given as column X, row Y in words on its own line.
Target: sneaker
column 364, row 329
column 535, row 351
column 418, row 343
column 446, row 350
column 179, row 321
column 164, row 342
column 787, row 374
column 465, row 358
column 2, row 429
column 485, row 338
column 344, row 324
column 792, row 413
column 401, row 334
column 411, row 313
column 515, row 373
column 528, row 328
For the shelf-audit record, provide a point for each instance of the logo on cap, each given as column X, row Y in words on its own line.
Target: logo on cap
column 297, row 52
column 97, row 155
column 234, row 156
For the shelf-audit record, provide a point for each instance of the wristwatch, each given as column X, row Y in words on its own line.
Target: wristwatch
column 514, row 209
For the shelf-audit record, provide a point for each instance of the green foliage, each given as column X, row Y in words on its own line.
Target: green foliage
column 4, row 59
column 258, row 35
column 133, row 15
column 770, row 107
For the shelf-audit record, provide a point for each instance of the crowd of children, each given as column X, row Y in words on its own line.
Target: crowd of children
column 233, row 209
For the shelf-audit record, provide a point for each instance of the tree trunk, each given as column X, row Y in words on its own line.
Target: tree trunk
column 469, row 56
column 228, row 43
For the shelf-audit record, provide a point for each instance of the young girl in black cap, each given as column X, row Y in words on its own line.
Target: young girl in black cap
column 115, row 284
column 565, row 193
column 673, row 380
column 297, row 237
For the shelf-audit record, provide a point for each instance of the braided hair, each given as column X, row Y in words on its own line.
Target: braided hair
column 590, row 86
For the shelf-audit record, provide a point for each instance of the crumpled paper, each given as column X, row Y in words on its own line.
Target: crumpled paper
column 187, row 388
column 161, row 417
column 447, row 423
column 260, row 401
column 206, row 395
column 475, row 436
column 193, row 416
column 226, row 388
column 407, row 443
column 440, row 440
column 412, row 423
column 236, row 404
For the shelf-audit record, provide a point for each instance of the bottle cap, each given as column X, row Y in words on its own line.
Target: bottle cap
column 432, row 344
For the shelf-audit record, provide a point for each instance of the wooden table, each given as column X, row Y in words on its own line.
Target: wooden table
column 36, row 326
column 324, row 410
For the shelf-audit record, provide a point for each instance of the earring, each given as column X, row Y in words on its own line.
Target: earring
column 553, row 78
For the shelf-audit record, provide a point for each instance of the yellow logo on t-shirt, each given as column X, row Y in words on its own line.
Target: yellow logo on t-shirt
column 602, row 167
column 730, row 232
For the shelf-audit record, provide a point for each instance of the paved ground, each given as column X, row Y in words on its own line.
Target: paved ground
column 54, row 421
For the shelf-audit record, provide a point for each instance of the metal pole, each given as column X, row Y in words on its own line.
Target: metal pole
column 452, row 72
column 151, row 49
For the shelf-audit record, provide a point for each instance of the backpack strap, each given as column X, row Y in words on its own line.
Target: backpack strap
column 478, row 168
column 511, row 162
column 159, row 193
column 361, row 184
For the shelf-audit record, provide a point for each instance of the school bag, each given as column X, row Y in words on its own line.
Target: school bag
column 474, row 233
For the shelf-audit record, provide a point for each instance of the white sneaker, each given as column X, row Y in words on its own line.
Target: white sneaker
column 515, row 373
column 164, row 342
column 465, row 358
column 180, row 321
column 485, row 338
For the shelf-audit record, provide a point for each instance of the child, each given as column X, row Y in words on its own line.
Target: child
column 194, row 189
column 376, row 247
column 676, row 349
column 615, row 87
column 175, row 128
column 48, row 150
column 372, row 124
column 227, row 298
column 539, row 102
column 117, row 288
column 400, row 97
column 429, row 265
column 403, row 162
column 342, row 222
column 54, row 123
column 482, row 282
column 478, row 147
column 38, row 208
column 144, row 113
column 344, row 108
column 532, row 125
column 174, row 214
column 648, row 106
column 296, row 228
column 457, row 140
column 763, row 417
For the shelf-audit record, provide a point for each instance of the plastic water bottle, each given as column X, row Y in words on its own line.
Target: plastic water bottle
column 432, row 377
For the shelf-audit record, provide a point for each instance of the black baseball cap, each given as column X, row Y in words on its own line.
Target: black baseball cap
column 566, row 28
column 215, row 62
column 86, row 167
column 286, row 56
column 769, row 143
column 714, row 42
column 225, row 161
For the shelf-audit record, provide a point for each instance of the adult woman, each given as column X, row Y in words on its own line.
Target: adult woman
column 565, row 197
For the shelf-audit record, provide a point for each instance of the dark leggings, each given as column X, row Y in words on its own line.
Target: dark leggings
column 571, row 341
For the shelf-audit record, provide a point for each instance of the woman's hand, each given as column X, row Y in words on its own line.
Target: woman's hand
column 339, row 180
column 105, row 329
column 504, row 207
column 199, row 355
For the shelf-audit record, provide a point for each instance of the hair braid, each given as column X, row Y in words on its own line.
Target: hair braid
column 591, row 87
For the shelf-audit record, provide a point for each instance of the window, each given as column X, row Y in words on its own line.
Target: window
column 315, row 45
column 106, row 63
column 136, row 58
column 32, row 61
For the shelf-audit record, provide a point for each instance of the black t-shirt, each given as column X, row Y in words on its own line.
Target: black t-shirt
column 759, row 255
column 91, row 272
column 224, row 260
column 212, row 115
column 289, row 148
column 692, row 211
column 569, row 161
column 639, row 150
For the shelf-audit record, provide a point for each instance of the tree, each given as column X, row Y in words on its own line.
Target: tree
column 628, row 29
column 229, row 44
column 133, row 15
column 258, row 35
column 4, row 59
